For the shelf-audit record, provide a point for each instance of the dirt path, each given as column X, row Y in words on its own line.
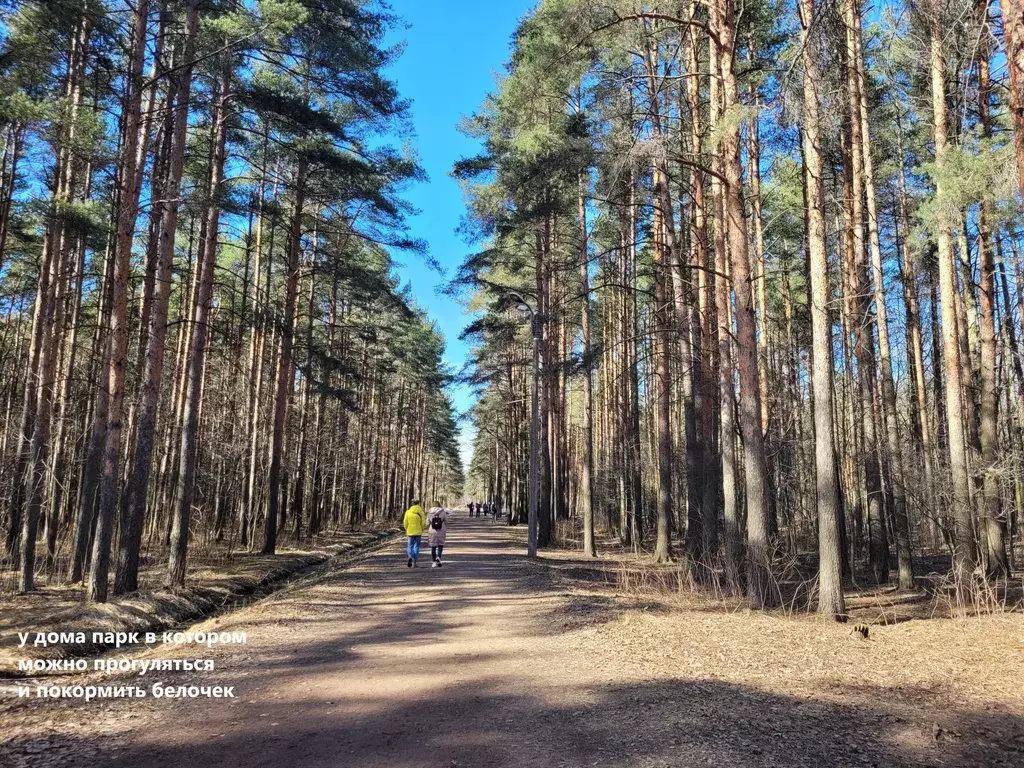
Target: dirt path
column 480, row 663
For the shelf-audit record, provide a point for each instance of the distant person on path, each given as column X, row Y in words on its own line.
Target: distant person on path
column 437, row 532
column 471, row 509
column 414, row 522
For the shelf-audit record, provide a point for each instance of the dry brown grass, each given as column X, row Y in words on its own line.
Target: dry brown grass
column 629, row 573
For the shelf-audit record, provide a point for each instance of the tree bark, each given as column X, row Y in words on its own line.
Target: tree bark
column 128, row 208
column 964, row 550
column 1013, row 33
column 732, row 537
column 901, row 522
column 196, row 360
column 760, row 586
column 864, row 347
column 126, row 578
column 586, row 500
column 830, row 554
column 283, row 378
column 993, row 529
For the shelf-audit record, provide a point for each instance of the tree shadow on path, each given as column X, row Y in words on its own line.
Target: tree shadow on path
column 674, row 723
column 470, row 667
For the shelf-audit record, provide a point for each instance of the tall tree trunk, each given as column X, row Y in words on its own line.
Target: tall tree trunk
column 29, row 475
column 915, row 344
column 830, row 549
column 760, row 585
column 544, row 535
column 126, row 578
column 993, row 529
column 97, row 432
column 1013, row 32
column 964, row 551
column 196, row 360
column 732, row 539
column 701, row 463
column 663, row 235
column 757, row 220
column 901, row 522
column 49, row 321
column 283, row 376
column 864, row 347
column 127, row 212
column 299, row 499
column 586, row 476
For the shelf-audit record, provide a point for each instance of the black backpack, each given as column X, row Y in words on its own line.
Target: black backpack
column 437, row 522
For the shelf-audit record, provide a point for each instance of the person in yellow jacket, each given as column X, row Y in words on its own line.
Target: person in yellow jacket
column 414, row 522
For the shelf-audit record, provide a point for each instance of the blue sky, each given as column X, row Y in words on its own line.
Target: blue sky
column 454, row 49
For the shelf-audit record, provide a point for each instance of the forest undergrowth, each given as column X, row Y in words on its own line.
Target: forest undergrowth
column 631, row 575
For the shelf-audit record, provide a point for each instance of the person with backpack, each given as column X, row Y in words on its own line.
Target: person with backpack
column 437, row 532
column 414, row 522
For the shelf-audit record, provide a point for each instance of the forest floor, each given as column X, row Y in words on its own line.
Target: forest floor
column 493, row 660
column 217, row 581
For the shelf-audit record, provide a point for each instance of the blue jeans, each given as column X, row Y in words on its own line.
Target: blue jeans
column 435, row 552
column 413, row 548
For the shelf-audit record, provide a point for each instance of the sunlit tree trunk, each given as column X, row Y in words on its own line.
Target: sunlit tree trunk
column 964, row 550
column 760, row 588
column 830, row 585
column 662, row 325
column 586, row 477
column 732, row 538
column 901, row 524
column 1013, row 33
column 196, row 360
column 126, row 576
column 127, row 212
column 993, row 529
